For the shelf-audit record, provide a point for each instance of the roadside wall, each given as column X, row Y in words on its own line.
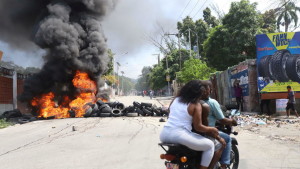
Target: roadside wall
column 245, row 73
column 6, row 90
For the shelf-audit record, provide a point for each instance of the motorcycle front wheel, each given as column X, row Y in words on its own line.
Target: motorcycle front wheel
column 235, row 158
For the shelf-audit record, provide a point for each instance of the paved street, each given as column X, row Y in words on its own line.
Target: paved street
column 115, row 143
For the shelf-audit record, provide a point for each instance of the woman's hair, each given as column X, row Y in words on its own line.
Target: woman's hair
column 191, row 92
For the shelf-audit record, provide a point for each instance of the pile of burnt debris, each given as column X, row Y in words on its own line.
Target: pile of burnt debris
column 98, row 109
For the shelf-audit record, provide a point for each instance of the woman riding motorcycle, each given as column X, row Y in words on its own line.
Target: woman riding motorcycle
column 185, row 111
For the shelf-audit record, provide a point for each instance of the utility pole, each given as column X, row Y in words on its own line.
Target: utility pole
column 178, row 37
column 179, row 51
column 15, row 85
column 198, row 53
column 118, row 65
column 122, row 82
column 114, row 74
column 168, row 76
column 190, row 42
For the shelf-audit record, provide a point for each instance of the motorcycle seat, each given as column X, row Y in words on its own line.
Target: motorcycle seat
column 173, row 146
column 169, row 144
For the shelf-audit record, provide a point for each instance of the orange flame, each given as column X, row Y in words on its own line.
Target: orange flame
column 48, row 108
column 104, row 100
column 86, row 94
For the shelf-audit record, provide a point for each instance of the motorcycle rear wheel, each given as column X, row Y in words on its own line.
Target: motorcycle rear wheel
column 235, row 157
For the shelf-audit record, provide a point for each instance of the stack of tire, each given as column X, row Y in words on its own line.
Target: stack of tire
column 101, row 109
column 281, row 66
column 144, row 109
column 116, row 109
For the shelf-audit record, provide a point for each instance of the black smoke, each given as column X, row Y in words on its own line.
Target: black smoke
column 69, row 31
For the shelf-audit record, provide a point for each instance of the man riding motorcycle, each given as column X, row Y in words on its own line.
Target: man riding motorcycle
column 215, row 113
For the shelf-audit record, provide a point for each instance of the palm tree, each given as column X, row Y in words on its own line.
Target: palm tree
column 286, row 14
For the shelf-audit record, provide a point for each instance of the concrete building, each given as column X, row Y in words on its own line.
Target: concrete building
column 11, row 85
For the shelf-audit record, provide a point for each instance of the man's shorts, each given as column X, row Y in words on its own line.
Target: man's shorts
column 290, row 106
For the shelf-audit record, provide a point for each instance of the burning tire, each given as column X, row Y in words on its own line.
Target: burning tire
column 293, row 68
column 120, row 106
column 128, row 110
column 137, row 104
column 157, row 111
column 147, row 111
column 72, row 113
column 140, row 112
column 22, row 121
column 88, row 112
column 132, row 114
column 105, row 114
column 12, row 114
column 264, row 67
column 146, row 104
column 116, row 112
column 105, row 109
column 164, row 113
column 100, row 103
column 95, row 111
column 278, row 65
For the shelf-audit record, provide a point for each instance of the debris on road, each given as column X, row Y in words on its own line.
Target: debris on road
column 162, row 120
column 278, row 128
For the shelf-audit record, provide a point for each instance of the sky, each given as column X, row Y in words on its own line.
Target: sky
column 130, row 27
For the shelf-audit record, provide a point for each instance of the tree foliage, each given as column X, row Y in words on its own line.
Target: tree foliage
column 234, row 41
column 169, row 65
column 126, row 84
column 110, row 69
column 143, row 82
column 269, row 21
column 198, row 31
column 194, row 69
column 222, row 42
column 158, row 77
column 211, row 20
column 286, row 14
column 110, row 79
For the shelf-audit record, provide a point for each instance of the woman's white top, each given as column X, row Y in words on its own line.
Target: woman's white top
column 179, row 116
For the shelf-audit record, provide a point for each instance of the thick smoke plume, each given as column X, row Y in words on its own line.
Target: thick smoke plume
column 70, row 32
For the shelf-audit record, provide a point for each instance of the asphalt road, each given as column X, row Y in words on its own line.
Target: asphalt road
column 116, row 143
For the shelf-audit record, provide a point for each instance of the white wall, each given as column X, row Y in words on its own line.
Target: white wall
column 5, row 107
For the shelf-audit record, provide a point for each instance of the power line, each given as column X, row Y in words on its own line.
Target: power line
column 194, row 7
column 286, row 3
column 270, row 6
column 175, row 25
column 184, row 9
column 200, row 9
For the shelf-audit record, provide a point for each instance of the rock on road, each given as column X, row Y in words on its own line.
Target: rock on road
column 116, row 143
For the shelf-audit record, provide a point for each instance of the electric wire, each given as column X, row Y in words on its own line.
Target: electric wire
column 184, row 10
column 270, row 6
column 194, row 7
column 199, row 9
column 180, row 16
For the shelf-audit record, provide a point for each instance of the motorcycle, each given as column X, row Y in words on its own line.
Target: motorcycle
column 181, row 157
